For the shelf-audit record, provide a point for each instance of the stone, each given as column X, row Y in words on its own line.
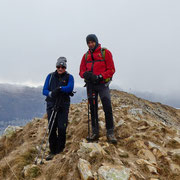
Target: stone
column 136, row 111
column 123, row 153
column 152, row 169
column 84, row 168
column 142, row 162
column 101, row 124
column 147, row 154
column 139, row 144
column 91, row 148
column 108, row 172
column 132, row 178
column 175, row 155
column 8, row 132
column 152, row 145
column 177, row 139
column 175, row 168
column 173, row 142
column 120, row 122
column 142, row 128
column 157, row 150
column 123, row 106
column 174, row 152
column 117, row 161
column 160, row 152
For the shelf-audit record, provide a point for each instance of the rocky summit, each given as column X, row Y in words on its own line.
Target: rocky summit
column 148, row 145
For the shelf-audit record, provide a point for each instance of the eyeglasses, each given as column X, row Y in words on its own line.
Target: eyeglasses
column 58, row 67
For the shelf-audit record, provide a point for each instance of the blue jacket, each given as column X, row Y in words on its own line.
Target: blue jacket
column 67, row 89
column 54, row 80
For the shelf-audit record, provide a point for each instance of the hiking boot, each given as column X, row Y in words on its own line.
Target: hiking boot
column 93, row 137
column 111, row 138
column 50, row 157
column 59, row 151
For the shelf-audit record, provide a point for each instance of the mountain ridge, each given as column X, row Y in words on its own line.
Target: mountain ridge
column 148, row 144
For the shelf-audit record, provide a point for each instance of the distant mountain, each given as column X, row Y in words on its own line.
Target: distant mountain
column 19, row 104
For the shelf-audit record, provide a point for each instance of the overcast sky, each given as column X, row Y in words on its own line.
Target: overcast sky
column 143, row 36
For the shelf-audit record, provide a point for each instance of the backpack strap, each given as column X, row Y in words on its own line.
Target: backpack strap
column 103, row 52
column 51, row 74
column 86, row 55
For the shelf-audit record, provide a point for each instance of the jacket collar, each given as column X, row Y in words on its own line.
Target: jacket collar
column 97, row 49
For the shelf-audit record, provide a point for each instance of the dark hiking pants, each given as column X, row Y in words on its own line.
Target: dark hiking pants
column 103, row 91
column 57, row 139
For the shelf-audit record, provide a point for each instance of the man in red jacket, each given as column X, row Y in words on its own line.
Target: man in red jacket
column 97, row 68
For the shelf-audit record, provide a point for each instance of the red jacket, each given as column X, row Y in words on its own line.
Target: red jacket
column 98, row 66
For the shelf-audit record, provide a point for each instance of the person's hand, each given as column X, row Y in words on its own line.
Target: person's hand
column 56, row 92
column 87, row 75
column 96, row 78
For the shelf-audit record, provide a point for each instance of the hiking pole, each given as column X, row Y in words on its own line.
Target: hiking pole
column 41, row 162
column 88, row 123
column 95, row 109
column 55, row 109
column 89, row 95
column 39, row 151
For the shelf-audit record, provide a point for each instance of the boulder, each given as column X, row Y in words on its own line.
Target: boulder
column 84, row 168
column 90, row 148
column 108, row 172
column 8, row 132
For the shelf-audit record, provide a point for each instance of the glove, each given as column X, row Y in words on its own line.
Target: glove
column 56, row 92
column 96, row 78
column 87, row 75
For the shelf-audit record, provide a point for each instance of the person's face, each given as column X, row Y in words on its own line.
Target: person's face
column 91, row 44
column 60, row 69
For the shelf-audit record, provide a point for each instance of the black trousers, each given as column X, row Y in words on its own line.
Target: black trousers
column 57, row 139
column 103, row 91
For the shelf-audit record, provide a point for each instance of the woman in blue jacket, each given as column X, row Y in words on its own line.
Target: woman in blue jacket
column 58, row 87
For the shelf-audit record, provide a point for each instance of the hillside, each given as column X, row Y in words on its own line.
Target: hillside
column 148, row 145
